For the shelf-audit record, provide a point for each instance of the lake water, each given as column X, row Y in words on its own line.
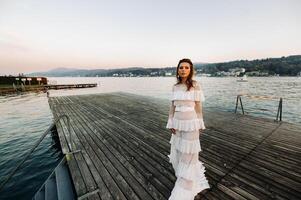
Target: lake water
column 25, row 117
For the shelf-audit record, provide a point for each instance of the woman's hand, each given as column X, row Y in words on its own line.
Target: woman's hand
column 173, row 131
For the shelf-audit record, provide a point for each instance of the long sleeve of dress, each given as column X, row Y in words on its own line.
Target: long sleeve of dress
column 199, row 98
column 171, row 113
column 199, row 109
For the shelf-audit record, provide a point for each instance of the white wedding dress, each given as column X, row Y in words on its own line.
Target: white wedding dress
column 186, row 118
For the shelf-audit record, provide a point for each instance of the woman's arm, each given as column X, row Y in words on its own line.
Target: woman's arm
column 199, row 109
column 170, row 115
column 171, row 110
column 199, row 98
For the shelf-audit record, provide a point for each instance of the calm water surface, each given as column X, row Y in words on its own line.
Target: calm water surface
column 25, row 117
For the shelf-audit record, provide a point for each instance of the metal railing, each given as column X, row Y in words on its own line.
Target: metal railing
column 279, row 111
column 242, row 108
column 8, row 177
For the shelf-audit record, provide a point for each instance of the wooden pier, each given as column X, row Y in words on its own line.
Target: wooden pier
column 70, row 86
column 4, row 90
column 124, row 145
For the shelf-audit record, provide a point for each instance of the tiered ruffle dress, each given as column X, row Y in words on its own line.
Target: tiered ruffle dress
column 186, row 118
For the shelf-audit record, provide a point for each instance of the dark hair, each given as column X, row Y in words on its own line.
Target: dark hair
column 189, row 81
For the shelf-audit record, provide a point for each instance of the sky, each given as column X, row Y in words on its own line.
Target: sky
column 40, row 35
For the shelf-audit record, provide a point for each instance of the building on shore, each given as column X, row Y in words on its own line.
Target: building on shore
column 19, row 80
column 257, row 73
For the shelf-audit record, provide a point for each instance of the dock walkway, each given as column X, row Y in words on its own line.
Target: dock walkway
column 124, row 146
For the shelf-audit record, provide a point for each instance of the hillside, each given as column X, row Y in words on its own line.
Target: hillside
column 284, row 66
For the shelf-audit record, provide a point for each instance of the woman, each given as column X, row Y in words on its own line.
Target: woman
column 185, row 123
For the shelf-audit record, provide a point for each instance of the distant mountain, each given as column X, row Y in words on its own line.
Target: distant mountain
column 63, row 69
column 63, row 72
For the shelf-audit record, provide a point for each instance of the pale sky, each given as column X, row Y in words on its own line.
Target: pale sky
column 39, row 35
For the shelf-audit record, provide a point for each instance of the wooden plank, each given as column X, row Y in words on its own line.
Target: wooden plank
column 259, row 179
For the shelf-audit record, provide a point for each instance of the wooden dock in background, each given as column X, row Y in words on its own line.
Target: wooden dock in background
column 124, row 146
column 5, row 90
column 70, row 86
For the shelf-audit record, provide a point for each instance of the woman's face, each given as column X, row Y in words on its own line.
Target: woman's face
column 184, row 70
